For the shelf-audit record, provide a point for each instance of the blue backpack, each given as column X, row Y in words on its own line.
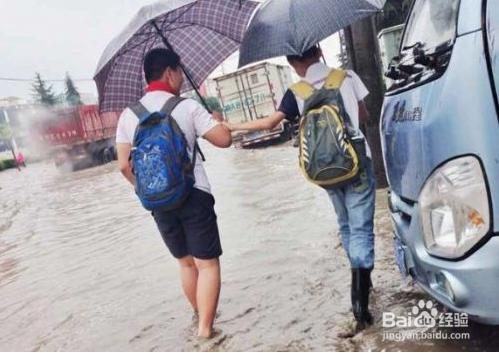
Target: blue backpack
column 164, row 172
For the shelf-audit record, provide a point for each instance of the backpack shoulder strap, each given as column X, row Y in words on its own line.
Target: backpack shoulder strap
column 171, row 104
column 335, row 79
column 168, row 109
column 302, row 90
column 333, row 82
column 140, row 111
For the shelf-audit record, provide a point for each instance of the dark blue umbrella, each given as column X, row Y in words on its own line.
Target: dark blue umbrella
column 203, row 32
column 290, row 27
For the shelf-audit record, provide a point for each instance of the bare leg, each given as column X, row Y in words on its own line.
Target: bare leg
column 189, row 278
column 208, row 291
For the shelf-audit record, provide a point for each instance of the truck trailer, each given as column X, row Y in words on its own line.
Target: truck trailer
column 78, row 137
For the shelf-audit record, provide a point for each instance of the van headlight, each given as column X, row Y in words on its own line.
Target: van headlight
column 454, row 208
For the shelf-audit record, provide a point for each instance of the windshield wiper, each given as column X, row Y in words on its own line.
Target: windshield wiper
column 421, row 58
column 432, row 60
column 394, row 74
column 398, row 71
column 419, row 54
column 417, row 45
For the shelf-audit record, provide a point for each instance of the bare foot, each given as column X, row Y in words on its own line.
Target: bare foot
column 204, row 332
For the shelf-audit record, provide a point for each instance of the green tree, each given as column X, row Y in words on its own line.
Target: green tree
column 43, row 93
column 72, row 96
column 212, row 103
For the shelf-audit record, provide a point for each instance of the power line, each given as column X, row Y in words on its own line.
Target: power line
column 13, row 79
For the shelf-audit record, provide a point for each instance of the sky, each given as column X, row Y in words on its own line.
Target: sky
column 53, row 37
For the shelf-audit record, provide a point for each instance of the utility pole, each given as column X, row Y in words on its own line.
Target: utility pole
column 364, row 58
column 343, row 55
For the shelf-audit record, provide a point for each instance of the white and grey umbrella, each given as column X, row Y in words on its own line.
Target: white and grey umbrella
column 290, row 27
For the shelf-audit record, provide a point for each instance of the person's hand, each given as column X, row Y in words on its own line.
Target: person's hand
column 218, row 117
column 228, row 125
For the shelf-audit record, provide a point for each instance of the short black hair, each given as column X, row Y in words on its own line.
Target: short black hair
column 310, row 53
column 157, row 61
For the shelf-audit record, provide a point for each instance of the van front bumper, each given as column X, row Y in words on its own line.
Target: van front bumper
column 469, row 285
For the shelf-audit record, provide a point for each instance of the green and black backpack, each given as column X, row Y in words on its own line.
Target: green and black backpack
column 328, row 155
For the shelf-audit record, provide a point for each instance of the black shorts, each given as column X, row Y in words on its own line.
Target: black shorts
column 192, row 228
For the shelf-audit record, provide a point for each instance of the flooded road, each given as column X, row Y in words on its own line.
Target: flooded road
column 82, row 266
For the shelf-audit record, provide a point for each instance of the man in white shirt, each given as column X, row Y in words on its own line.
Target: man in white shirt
column 353, row 203
column 190, row 231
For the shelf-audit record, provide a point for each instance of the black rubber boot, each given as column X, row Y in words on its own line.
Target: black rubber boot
column 361, row 283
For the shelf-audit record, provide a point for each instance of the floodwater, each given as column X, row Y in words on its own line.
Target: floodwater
column 82, row 266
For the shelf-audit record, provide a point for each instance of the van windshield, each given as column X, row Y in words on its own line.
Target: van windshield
column 431, row 23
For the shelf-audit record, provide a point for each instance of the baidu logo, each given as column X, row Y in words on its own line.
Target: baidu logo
column 422, row 315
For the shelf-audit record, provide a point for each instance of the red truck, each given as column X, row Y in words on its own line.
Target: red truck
column 79, row 137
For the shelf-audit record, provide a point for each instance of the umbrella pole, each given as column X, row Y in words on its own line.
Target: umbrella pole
column 187, row 75
column 322, row 54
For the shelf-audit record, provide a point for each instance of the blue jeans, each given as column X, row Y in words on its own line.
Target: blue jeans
column 354, row 206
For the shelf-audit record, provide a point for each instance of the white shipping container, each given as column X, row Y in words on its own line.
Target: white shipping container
column 253, row 93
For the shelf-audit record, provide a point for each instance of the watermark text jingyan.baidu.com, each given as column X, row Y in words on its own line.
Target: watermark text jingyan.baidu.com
column 424, row 322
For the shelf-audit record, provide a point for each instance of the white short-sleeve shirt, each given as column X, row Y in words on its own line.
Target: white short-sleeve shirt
column 191, row 117
column 352, row 91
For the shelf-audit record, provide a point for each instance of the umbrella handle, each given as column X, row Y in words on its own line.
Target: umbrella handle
column 187, row 75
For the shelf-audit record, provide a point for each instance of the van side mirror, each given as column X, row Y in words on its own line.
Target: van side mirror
column 395, row 59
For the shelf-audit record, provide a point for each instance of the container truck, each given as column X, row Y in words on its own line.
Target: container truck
column 253, row 93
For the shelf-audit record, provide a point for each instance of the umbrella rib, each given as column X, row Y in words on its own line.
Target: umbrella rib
column 165, row 21
column 133, row 47
column 211, row 29
column 145, row 40
column 168, row 22
column 293, row 25
column 154, row 33
column 189, row 7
